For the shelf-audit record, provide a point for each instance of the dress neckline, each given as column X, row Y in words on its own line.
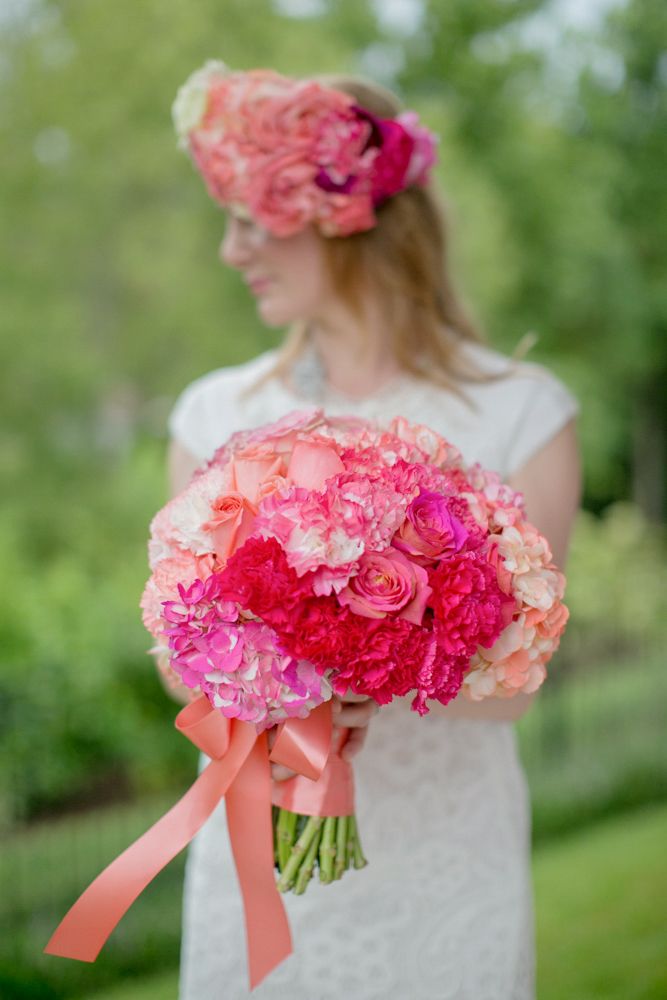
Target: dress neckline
column 329, row 394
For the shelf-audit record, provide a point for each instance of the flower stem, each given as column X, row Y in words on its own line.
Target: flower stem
column 285, row 836
column 358, row 858
column 302, row 842
column 341, row 846
column 298, row 852
column 327, row 849
column 305, row 872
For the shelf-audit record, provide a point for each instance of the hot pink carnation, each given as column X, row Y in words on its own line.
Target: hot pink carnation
column 259, row 579
column 469, row 607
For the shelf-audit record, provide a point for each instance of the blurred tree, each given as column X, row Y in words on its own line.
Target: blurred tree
column 628, row 125
column 112, row 297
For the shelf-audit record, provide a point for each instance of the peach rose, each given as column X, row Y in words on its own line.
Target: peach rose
column 232, row 522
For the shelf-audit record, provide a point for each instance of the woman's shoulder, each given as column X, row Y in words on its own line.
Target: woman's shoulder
column 206, row 411
column 515, row 380
column 231, row 377
column 523, row 403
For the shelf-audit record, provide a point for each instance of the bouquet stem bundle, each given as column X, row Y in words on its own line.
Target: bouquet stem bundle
column 302, row 843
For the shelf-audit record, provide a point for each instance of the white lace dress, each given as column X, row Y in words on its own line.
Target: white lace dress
column 444, row 909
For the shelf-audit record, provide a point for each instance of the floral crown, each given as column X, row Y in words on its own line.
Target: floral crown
column 292, row 152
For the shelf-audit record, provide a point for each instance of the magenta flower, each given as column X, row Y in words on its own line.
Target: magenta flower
column 431, row 530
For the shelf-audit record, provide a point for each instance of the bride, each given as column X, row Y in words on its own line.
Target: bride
column 351, row 259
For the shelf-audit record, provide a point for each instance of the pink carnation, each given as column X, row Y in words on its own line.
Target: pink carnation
column 259, row 579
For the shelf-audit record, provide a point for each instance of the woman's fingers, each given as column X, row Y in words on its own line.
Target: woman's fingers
column 354, row 743
column 350, row 696
column 350, row 716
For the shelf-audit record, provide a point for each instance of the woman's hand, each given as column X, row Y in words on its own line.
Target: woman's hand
column 353, row 712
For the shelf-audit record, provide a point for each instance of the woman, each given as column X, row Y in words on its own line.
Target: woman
column 351, row 258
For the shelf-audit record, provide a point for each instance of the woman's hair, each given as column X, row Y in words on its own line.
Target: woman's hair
column 404, row 257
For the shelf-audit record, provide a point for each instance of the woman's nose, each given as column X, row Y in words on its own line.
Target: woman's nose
column 236, row 247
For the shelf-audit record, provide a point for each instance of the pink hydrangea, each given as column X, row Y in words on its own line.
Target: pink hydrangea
column 235, row 662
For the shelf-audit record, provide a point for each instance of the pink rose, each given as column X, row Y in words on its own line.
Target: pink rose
column 218, row 166
column 283, row 196
column 253, row 466
column 312, row 464
column 232, row 522
column 341, row 151
column 296, row 421
column 430, row 529
column 387, row 583
column 344, row 214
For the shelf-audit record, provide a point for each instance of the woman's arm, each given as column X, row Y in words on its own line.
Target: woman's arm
column 551, row 484
column 180, row 465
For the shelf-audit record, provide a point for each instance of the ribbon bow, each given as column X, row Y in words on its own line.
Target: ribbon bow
column 240, row 772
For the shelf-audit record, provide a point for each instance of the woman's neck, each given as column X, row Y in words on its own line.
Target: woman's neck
column 356, row 355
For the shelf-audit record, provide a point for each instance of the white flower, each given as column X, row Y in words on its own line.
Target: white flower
column 189, row 106
column 192, row 508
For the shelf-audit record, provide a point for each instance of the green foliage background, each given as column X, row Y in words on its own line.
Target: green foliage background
column 112, row 300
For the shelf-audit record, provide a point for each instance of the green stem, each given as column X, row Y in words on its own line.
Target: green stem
column 298, row 852
column 286, row 828
column 327, row 849
column 349, row 848
column 358, row 858
column 305, row 872
column 341, row 846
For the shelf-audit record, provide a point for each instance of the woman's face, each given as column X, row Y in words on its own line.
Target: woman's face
column 287, row 275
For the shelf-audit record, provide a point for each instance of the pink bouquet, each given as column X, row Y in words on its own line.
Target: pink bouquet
column 318, row 555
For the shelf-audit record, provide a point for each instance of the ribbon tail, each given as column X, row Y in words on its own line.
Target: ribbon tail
column 248, row 804
column 89, row 922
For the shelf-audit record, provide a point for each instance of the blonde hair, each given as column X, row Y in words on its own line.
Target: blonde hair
column 404, row 256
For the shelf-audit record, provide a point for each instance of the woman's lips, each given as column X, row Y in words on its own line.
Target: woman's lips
column 258, row 285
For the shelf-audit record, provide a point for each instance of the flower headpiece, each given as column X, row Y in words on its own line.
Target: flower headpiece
column 293, row 152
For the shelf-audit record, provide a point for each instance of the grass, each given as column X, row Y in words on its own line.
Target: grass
column 45, row 868
column 161, row 987
column 601, row 926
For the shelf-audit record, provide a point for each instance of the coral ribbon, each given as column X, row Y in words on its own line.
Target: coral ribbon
column 239, row 771
column 330, row 792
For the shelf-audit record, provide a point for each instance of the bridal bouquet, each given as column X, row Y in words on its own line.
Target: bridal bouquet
column 317, row 555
